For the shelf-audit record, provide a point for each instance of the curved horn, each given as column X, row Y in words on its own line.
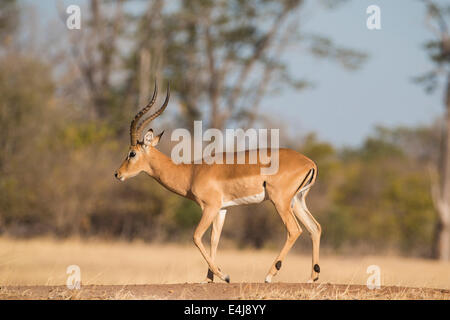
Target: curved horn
column 146, row 121
column 133, row 132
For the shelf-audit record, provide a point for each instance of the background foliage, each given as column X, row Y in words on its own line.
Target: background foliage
column 64, row 120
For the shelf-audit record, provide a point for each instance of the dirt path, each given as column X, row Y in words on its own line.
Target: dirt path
column 219, row 291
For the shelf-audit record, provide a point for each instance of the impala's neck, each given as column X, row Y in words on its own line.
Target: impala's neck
column 175, row 177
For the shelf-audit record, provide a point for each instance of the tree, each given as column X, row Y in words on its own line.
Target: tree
column 379, row 194
column 9, row 14
column 439, row 52
column 223, row 57
column 95, row 50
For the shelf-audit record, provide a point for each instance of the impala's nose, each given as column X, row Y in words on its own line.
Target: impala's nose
column 119, row 176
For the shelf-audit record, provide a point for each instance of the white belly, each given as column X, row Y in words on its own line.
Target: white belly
column 257, row 198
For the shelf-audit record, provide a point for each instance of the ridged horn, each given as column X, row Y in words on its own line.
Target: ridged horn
column 149, row 119
column 133, row 131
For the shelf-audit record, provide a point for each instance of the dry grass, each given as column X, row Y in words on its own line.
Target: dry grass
column 44, row 262
column 221, row 291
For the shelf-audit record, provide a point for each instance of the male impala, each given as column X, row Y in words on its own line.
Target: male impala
column 215, row 187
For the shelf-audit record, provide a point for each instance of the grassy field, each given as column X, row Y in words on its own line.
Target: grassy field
column 40, row 262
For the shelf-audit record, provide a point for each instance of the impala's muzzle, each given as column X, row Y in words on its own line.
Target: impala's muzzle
column 118, row 176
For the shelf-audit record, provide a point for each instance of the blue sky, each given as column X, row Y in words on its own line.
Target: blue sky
column 345, row 106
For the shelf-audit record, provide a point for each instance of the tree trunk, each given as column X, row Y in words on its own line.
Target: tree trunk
column 144, row 74
column 443, row 242
column 442, row 245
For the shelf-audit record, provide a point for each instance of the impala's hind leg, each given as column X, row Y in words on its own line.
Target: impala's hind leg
column 293, row 232
column 216, row 230
column 313, row 227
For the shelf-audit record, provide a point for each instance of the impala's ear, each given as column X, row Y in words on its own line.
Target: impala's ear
column 150, row 140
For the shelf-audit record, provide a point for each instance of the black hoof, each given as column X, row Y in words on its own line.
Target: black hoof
column 210, row 275
column 316, row 279
column 227, row 279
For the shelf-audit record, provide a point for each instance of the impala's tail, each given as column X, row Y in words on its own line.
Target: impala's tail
column 308, row 182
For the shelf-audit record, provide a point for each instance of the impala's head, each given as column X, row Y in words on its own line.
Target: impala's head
column 137, row 157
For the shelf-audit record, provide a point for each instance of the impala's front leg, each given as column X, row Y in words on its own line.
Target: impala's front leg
column 209, row 214
column 216, row 230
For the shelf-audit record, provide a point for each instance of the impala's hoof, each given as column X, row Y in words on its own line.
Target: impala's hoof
column 313, row 280
column 268, row 279
column 227, row 279
column 207, row 280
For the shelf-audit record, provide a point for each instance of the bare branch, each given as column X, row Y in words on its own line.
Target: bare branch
column 259, row 50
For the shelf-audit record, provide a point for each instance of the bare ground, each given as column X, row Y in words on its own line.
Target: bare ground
column 221, row 291
column 37, row 269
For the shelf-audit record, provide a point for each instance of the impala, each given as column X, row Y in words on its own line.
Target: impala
column 215, row 187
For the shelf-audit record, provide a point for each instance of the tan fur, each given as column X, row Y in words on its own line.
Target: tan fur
column 211, row 184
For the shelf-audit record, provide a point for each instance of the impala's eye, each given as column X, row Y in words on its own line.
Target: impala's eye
column 132, row 154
